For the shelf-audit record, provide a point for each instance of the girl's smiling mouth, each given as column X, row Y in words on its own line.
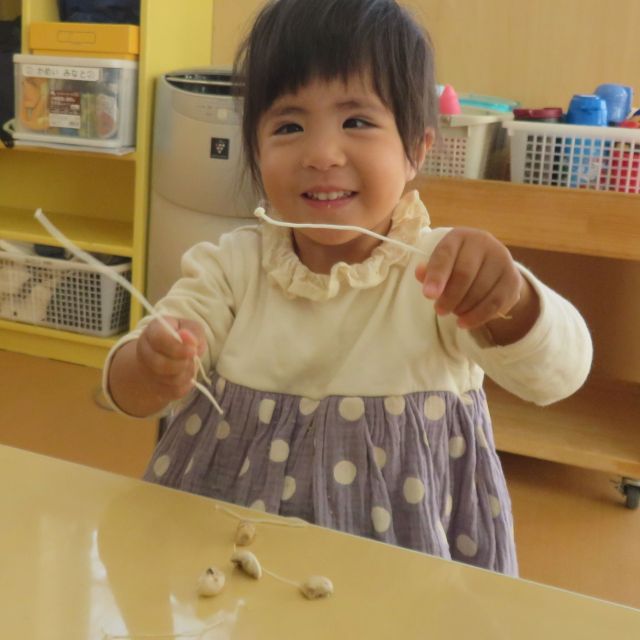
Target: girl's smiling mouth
column 328, row 198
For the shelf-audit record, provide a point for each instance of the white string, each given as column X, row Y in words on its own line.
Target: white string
column 262, row 214
column 282, row 522
column 293, row 583
column 123, row 282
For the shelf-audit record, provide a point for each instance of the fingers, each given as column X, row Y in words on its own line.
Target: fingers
column 472, row 275
column 441, row 265
column 169, row 360
column 502, row 297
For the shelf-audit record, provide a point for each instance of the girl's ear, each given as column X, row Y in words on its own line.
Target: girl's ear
column 421, row 151
column 424, row 145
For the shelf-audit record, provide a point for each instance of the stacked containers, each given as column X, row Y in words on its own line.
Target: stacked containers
column 80, row 88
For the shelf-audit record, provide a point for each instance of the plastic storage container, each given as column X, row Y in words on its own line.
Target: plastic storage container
column 61, row 294
column 88, row 102
column 465, row 145
column 565, row 155
column 83, row 39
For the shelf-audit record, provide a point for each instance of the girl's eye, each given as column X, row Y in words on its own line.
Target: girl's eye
column 356, row 123
column 290, row 127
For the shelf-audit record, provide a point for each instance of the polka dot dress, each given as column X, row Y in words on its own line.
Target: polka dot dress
column 418, row 470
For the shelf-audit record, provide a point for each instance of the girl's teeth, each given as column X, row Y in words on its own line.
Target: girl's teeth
column 332, row 195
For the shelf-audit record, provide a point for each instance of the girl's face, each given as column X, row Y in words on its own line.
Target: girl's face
column 331, row 153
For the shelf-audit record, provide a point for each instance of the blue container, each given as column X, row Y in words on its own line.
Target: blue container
column 618, row 99
column 587, row 109
column 583, row 156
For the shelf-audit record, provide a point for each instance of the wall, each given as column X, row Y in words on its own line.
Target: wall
column 539, row 53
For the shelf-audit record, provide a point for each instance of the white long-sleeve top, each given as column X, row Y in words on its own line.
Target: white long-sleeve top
column 362, row 330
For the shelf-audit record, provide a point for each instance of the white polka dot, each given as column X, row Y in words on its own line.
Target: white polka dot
column 457, row 446
column 424, row 437
column 494, row 504
column 189, row 467
column 308, row 406
column 380, row 456
column 351, row 408
column 279, row 451
column 482, row 439
column 413, row 490
column 259, row 505
column 345, row 472
column 223, row 430
column 245, row 467
column 381, row 519
column 161, row 465
column 466, row 399
column 442, row 534
column 288, row 488
column 220, row 385
column 265, row 412
column 394, row 405
column 448, row 506
column 434, row 407
column 193, row 424
column 466, row 546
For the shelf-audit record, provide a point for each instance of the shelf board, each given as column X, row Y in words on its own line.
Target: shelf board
column 596, row 428
column 32, row 340
column 83, row 153
column 91, row 234
column 595, row 223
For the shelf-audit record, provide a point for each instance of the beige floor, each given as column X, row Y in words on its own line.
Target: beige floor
column 571, row 528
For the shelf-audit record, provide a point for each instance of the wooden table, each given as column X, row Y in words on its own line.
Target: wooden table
column 91, row 555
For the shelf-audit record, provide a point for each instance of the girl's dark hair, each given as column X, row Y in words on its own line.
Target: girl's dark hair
column 295, row 41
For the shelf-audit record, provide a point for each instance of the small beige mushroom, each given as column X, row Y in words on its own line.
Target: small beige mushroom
column 211, row 582
column 246, row 561
column 245, row 534
column 316, row 587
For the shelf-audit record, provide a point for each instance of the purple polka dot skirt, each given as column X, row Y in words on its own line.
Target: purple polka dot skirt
column 420, row 470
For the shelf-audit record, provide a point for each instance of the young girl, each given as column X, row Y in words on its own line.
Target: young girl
column 349, row 370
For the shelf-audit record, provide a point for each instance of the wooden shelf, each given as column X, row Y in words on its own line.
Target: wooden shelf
column 92, row 234
column 57, row 345
column 71, row 152
column 596, row 428
column 594, row 223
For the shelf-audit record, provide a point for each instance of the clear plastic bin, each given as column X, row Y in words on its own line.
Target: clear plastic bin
column 89, row 102
column 567, row 155
column 63, row 294
column 467, row 146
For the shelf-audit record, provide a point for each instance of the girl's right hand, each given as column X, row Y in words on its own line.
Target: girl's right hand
column 168, row 365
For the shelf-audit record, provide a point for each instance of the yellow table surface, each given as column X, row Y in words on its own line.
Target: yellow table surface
column 91, row 555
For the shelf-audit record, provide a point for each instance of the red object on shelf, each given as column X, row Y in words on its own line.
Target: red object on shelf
column 624, row 171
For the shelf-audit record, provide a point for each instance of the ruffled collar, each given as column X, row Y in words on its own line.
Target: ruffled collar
column 284, row 269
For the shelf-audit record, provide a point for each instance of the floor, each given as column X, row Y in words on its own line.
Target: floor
column 572, row 530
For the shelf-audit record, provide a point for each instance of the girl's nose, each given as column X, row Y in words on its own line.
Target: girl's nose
column 323, row 152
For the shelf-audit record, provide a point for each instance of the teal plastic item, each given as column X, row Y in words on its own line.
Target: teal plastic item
column 491, row 103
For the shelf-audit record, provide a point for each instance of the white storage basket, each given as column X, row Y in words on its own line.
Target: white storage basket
column 62, row 294
column 566, row 155
column 464, row 145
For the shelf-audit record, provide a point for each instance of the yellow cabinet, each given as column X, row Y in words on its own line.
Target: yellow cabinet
column 100, row 201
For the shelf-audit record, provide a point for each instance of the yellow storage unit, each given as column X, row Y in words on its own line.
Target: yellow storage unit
column 88, row 40
column 100, row 201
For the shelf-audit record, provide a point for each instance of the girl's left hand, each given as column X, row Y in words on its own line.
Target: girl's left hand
column 472, row 274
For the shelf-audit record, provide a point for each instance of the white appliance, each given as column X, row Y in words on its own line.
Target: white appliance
column 198, row 186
